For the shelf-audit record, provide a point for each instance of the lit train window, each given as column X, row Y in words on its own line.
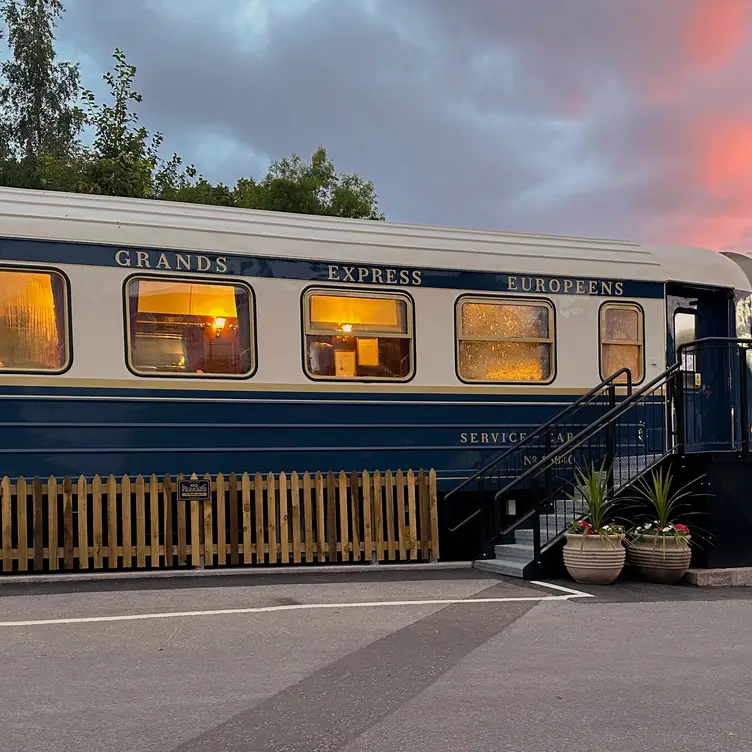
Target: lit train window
column 622, row 339
column 505, row 340
column 351, row 335
column 33, row 321
column 183, row 328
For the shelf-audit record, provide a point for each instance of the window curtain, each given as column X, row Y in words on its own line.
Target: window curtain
column 244, row 333
column 58, row 295
column 133, row 317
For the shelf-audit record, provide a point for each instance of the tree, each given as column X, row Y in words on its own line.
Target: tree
column 41, row 126
column 124, row 158
column 37, row 95
column 291, row 185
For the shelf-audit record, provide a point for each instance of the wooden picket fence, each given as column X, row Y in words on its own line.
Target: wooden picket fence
column 125, row 523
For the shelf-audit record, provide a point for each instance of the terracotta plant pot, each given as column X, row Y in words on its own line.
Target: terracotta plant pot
column 592, row 560
column 659, row 558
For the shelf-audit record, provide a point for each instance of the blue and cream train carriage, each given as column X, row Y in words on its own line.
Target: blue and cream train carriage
column 156, row 337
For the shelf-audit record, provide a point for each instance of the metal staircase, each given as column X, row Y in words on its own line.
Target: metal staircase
column 520, row 502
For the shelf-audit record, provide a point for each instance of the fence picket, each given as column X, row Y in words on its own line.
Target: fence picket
column 367, row 531
column 389, row 514
column 412, row 528
column 258, row 496
column 284, row 521
column 195, row 531
column 320, row 519
column 182, row 529
column 234, row 531
column 167, row 516
column 23, row 525
column 68, row 523
column 96, row 497
column 208, row 522
column 221, row 529
column 245, row 484
column 154, row 521
column 400, row 514
column 425, row 516
column 308, row 515
column 434, row 512
column 355, row 515
column 82, row 506
column 295, row 503
column 52, row 527
column 127, row 521
column 7, row 529
column 112, row 520
column 378, row 516
column 331, row 516
column 271, row 517
column 38, row 524
column 140, row 522
column 344, row 532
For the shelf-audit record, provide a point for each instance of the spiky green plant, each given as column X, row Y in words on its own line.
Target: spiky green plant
column 655, row 492
column 592, row 486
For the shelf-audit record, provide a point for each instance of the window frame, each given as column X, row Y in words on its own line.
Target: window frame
column 624, row 305
column 67, row 315
column 221, row 281
column 505, row 300
column 337, row 291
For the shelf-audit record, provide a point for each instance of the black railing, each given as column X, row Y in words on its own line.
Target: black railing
column 710, row 405
column 536, row 445
column 625, row 443
column 699, row 404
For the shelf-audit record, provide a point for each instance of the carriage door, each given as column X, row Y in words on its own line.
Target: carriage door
column 704, row 393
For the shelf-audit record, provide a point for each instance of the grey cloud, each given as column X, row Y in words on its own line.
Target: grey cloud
column 571, row 116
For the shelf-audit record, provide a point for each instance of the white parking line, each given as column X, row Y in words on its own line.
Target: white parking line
column 571, row 591
column 272, row 609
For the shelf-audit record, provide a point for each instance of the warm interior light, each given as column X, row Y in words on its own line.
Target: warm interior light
column 346, row 327
column 218, row 324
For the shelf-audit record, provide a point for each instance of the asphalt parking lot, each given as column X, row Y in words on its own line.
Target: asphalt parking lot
column 447, row 661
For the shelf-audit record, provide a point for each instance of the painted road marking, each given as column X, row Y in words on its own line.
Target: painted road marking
column 272, row 609
column 571, row 591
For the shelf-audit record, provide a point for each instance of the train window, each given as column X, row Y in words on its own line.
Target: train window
column 622, row 339
column 505, row 340
column 33, row 321
column 352, row 335
column 183, row 328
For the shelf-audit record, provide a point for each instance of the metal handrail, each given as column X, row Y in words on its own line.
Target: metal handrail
column 593, row 428
column 544, row 427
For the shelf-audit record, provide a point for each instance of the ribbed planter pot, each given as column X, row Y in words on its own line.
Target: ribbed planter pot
column 659, row 558
column 593, row 560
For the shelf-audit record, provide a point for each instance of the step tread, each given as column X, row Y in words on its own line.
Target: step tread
column 510, row 569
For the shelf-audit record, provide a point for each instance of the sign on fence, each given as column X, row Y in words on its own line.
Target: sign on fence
column 123, row 523
column 194, row 490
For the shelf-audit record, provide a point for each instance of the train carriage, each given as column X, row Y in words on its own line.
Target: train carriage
column 155, row 337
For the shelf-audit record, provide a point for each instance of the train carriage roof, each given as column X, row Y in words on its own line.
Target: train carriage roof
column 47, row 215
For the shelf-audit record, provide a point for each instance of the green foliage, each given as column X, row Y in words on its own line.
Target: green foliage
column 37, row 95
column 292, row 185
column 124, row 158
column 41, row 147
column 656, row 493
column 591, row 488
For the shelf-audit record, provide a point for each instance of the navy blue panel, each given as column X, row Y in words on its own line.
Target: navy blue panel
column 140, row 259
column 66, row 431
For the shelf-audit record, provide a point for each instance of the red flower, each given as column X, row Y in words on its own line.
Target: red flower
column 588, row 531
column 585, row 523
column 681, row 528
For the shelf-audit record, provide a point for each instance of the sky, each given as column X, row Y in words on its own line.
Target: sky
column 624, row 119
